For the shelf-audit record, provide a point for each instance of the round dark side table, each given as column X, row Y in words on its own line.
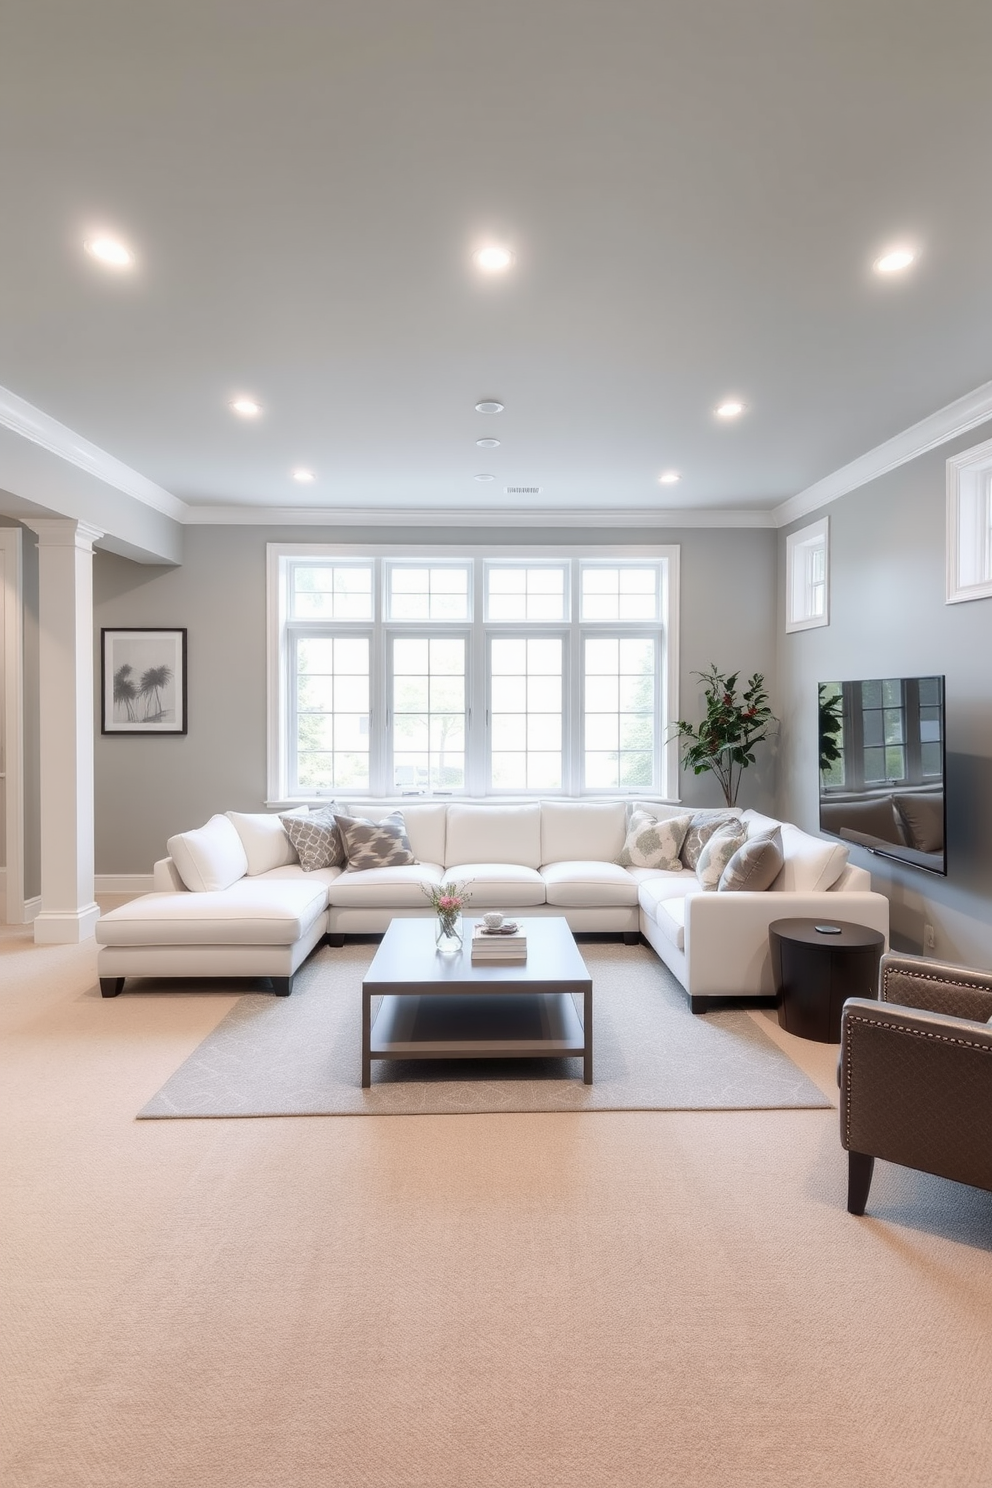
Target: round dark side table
column 818, row 965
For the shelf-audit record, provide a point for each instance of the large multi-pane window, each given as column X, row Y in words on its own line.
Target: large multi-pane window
column 470, row 673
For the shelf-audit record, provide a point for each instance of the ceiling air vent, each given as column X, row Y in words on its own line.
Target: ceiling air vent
column 521, row 490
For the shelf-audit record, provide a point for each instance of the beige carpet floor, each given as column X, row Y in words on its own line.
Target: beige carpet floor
column 626, row 1300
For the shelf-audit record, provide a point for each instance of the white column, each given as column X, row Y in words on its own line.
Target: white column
column 65, row 663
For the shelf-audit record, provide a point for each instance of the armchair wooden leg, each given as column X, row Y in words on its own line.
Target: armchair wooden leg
column 282, row 986
column 699, row 1004
column 859, row 1171
column 111, row 986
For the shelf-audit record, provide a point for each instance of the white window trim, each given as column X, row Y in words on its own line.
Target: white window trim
column 668, row 624
column 798, row 546
column 969, row 525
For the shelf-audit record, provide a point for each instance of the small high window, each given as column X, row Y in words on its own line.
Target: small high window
column 807, row 568
column 969, row 525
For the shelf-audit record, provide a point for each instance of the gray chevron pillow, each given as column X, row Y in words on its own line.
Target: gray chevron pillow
column 381, row 844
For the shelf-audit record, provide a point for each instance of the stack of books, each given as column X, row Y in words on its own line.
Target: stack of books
column 498, row 945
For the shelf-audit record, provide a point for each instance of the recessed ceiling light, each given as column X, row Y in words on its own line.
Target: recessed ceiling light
column 493, row 258
column 485, row 477
column 895, row 259
column 729, row 408
column 109, row 251
column 487, row 443
column 303, row 476
column 246, row 407
column 669, row 478
column 489, row 405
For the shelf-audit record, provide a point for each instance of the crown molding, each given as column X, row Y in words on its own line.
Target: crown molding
column 298, row 516
column 937, row 428
column 31, row 423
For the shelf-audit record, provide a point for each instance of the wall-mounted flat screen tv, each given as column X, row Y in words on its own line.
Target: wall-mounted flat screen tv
column 882, row 767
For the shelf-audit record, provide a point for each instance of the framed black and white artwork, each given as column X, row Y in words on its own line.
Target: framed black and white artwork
column 143, row 681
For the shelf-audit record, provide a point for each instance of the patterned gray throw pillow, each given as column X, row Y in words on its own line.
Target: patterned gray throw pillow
column 316, row 838
column 652, row 843
column 755, row 865
column 718, row 852
column 701, row 829
column 381, row 844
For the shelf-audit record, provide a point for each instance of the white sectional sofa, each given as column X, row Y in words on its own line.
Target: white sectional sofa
column 233, row 899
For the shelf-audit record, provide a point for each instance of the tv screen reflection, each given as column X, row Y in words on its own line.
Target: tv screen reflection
column 881, row 747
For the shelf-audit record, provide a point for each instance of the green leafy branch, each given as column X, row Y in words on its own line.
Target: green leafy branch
column 725, row 740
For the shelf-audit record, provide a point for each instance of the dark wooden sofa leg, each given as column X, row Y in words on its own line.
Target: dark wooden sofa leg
column 698, row 1004
column 282, row 986
column 332, row 939
column 111, row 986
column 632, row 937
column 859, row 1171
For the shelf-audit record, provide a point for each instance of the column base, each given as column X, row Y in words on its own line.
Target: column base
column 65, row 926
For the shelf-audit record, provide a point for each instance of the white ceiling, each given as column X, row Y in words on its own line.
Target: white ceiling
column 695, row 191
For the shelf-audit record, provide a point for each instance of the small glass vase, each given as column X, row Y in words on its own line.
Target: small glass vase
column 448, row 940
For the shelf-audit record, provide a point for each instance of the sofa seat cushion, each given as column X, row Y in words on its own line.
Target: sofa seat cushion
column 658, row 888
column 670, row 920
column 385, row 888
column 259, row 911
column 499, row 885
column 583, row 883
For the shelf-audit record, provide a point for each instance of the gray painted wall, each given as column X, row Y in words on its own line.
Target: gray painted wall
column 148, row 788
column 888, row 618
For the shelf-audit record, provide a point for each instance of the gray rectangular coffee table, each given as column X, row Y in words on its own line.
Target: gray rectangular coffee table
column 446, row 1007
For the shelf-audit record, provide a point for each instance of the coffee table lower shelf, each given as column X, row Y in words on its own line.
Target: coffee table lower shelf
column 542, row 1025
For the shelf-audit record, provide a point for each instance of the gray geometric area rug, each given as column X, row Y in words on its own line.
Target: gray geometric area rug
column 301, row 1055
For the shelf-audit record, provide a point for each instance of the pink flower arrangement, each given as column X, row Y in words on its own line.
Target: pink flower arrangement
column 447, row 899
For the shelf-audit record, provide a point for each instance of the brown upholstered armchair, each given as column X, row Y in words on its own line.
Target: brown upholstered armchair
column 916, row 1075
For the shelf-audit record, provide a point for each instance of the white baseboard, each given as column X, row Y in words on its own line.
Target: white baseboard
column 32, row 909
column 123, row 883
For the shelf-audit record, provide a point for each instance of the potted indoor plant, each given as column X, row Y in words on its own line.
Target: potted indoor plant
column 725, row 740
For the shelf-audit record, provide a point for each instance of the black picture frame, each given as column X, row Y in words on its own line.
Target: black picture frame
column 143, row 680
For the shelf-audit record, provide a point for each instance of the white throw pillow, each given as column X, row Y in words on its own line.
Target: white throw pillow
column 210, row 857
column 264, row 839
column 717, row 852
column 652, row 843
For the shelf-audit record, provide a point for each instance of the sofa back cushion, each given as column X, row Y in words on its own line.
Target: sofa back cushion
column 810, row 865
column 582, row 831
column 264, row 839
column 210, row 857
column 494, row 834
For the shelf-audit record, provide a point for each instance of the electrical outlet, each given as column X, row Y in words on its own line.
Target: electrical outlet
column 929, row 938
